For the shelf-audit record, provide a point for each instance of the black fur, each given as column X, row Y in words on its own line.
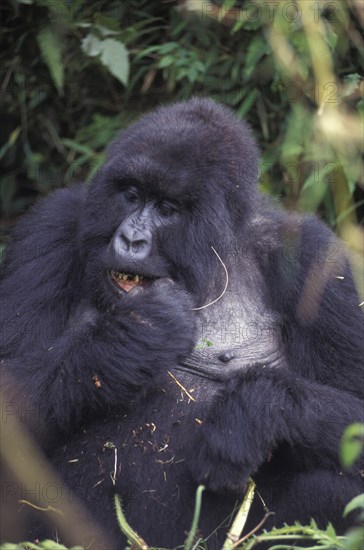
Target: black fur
column 274, row 366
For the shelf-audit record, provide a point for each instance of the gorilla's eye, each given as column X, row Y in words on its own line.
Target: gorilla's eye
column 131, row 194
column 167, row 208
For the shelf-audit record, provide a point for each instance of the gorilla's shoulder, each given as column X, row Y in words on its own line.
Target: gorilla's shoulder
column 279, row 235
column 55, row 210
column 275, row 222
column 48, row 225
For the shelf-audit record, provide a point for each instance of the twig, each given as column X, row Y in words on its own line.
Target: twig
column 113, row 475
column 225, row 288
column 182, row 387
column 41, row 508
column 256, row 528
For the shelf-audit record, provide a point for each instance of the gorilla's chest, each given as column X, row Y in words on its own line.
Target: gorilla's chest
column 144, row 457
column 236, row 332
column 157, row 434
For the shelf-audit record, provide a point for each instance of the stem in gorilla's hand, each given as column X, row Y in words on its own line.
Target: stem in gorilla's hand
column 241, row 517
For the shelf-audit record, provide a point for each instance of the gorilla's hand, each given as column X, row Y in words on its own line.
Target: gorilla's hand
column 259, row 409
column 114, row 352
column 159, row 318
column 234, row 440
column 218, row 473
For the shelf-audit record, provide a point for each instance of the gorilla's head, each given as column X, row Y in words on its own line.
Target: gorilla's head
column 177, row 182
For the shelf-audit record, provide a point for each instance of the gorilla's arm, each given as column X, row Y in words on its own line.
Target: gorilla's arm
column 63, row 355
column 41, row 274
column 259, row 411
column 311, row 286
column 101, row 362
column 309, row 402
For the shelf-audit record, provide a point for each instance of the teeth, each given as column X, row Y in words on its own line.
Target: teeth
column 126, row 277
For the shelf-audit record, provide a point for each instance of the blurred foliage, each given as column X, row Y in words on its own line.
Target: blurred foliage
column 352, row 445
column 75, row 71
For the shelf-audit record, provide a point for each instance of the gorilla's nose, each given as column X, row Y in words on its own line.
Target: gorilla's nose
column 132, row 242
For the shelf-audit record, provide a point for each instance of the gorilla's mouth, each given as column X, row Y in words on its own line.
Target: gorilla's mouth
column 128, row 281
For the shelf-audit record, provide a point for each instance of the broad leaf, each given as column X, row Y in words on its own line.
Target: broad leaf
column 51, row 51
column 115, row 57
column 354, row 504
column 112, row 53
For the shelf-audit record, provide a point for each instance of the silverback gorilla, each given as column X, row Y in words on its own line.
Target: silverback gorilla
column 170, row 311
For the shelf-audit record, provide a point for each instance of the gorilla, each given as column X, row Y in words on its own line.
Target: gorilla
column 173, row 327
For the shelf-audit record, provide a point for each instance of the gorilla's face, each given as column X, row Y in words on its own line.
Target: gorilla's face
column 134, row 257
column 170, row 190
column 145, row 234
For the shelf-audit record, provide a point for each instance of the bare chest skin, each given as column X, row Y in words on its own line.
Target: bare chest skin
column 233, row 334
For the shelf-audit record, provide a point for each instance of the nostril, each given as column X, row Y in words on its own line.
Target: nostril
column 125, row 242
column 136, row 246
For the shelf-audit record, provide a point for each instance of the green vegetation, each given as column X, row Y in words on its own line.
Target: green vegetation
column 73, row 73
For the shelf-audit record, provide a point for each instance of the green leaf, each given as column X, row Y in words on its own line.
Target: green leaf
column 351, row 83
column 313, row 190
column 354, row 504
column 91, row 45
column 330, row 531
column 52, row 545
column 11, row 140
column 330, row 36
column 354, row 539
column 239, row 23
column 97, row 161
column 360, row 107
column 77, row 147
column 147, row 51
column 352, row 444
column 297, row 133
column 258, row 47
column 51, row 51
column 115, row 57
column 105, row 31
column 166, row 61
column 248, row 102
column 169, row 47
